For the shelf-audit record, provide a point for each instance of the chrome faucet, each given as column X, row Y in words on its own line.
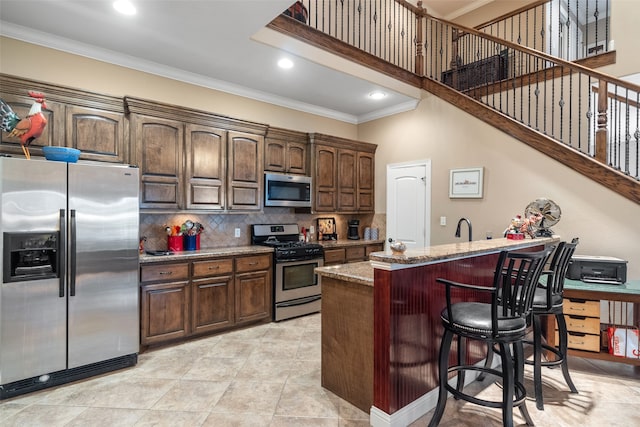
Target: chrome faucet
column 468, row 224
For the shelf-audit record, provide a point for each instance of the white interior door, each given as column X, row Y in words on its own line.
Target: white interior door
column 409, row 203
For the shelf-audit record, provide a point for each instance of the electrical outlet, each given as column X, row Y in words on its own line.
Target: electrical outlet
column 443, row 220
column 312, row 229
column 237, row 232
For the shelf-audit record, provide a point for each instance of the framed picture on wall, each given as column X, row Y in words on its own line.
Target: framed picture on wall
column 466, row 183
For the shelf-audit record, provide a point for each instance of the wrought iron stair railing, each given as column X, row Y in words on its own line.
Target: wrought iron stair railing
column 586, row 112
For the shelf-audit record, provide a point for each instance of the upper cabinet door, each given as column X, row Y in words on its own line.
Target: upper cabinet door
column 275, row 155
column 296, row 158
column 286, row 151
column 98, row 134
column 347, row 185
column 159, row 157
column 366, row 179
column 246, row 170
column 326, row 162
column 206, row 167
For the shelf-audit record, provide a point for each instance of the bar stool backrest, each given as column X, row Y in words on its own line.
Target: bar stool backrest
column 515, row 280
column 558, row 269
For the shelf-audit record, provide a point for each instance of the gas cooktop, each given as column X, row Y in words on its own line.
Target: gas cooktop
column 285, row 239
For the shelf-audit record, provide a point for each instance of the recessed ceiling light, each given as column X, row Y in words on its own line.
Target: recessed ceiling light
column 377, row 95
column 285, row 63
column 125, row 7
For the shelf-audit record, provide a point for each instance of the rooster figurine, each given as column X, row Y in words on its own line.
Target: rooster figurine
column 28, row 128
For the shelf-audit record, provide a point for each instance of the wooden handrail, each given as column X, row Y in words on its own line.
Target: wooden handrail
column 511, row 14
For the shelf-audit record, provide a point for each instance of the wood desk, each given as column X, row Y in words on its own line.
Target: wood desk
column 628, row 292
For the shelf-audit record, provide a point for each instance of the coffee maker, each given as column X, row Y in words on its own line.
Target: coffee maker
column 352, row 232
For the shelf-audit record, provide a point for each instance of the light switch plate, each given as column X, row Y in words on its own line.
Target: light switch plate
column 237, row 233
column 443, row 220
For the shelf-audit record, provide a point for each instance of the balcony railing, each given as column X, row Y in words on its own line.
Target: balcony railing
column 567, row 29
column 583, row 109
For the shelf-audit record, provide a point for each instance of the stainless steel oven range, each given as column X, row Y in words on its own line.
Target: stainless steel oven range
column 297, row 287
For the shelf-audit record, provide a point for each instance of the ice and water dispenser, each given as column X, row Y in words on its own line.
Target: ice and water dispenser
column 30, row 256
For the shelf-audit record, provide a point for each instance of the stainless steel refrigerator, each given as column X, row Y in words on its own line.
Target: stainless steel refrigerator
column 69, row 297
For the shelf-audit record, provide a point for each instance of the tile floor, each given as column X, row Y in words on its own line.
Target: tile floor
column 269, row 375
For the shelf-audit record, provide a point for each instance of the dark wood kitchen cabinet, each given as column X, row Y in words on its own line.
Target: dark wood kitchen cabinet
column 253, row 288
column 191, row 159
column 97, row 133
column 206, row 167
column 164, row 302
column 343, row 172
column 347, row 180
column 325, row 178
column 91, row 122
column 212, row 295
column 245, row 176
column 191, row 298
column 286, row 151
column 159, row 147
column 365, row 184
column 354, row 251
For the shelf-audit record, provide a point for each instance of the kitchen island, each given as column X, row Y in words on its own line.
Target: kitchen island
column 391, row 305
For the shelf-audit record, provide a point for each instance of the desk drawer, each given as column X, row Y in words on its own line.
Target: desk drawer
column 585, row 325
column 582, row 341
column 582, row 307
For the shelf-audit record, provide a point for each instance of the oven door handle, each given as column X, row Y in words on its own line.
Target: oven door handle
column 301, row 301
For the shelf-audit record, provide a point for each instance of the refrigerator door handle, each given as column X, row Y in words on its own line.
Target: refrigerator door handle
column 61, row 251
column 72, row 254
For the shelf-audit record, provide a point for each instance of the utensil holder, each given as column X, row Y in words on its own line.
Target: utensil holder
column 175, row 243
column 191, row 243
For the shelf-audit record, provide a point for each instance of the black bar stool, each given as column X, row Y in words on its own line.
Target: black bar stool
column 548, row 300
column 503, row 322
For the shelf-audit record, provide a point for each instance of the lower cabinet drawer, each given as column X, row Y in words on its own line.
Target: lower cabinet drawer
column 355, row 253
column 582, row 307
column 585, row 325
column 334, row 255
column 212, row 267
column 585, row 342
column 253, row 263
column 162, row 272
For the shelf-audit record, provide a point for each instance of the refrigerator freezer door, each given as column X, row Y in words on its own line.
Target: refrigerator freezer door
column 32, row 313
column 103, row 248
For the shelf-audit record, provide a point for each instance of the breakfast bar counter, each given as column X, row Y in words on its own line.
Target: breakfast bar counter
column 381, row 325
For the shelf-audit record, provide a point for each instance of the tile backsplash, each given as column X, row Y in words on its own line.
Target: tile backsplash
column 219, row 229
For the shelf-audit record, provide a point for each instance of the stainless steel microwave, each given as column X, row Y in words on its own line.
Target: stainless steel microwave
column 287, row 190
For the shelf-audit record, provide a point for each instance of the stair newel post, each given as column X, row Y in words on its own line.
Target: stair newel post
column 602, row 131
column 420, row 21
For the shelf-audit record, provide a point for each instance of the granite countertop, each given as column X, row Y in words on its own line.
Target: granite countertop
column 328, row 244
column 206, row 253
column 356, row 272
column 457, row 250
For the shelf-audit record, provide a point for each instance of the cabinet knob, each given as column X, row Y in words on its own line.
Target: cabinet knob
column 166, row 272
column 217, row 267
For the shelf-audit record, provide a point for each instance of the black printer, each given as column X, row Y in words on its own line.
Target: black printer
column 597, row 269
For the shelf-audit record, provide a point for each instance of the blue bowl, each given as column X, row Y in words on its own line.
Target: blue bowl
column 61, row 154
